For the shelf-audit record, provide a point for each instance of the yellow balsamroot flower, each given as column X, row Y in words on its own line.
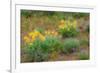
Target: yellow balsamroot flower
column 30, row 43
column 62, row 22
column 33, row 38
column 51, row 33
column 42, row 37
column 48, row 32
column 37, row 32
column 69, row 23
column 62, row 26
column 55, row 33
column 31, row 34
column 74, row 23
column 26, row 39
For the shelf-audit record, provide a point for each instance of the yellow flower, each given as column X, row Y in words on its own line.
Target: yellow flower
column 31, row 34
column 48, row 32
column 33, row 38
column 36, row 32
column 26, row 39
column 62, row 26
column 55, row 33
column 30, row 43
column 52, row 32
column 74, row 23
column 62, row 22
column 68, row 23
column 41, row 37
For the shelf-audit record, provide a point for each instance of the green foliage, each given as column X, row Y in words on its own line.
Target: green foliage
column 88, row 28
column 84, row 42
column 52, row 43
column 37, row 52
column 71, row 32
column 70, row 45
column 80, row 15
column 41, row 30
column 83, row 56
column 29, row 13
column 68, row 28
column 26, row 13
column 53, row 46
column 40, row 50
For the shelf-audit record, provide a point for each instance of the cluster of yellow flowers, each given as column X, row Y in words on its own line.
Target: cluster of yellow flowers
column 62, row 24
column 67, row 24
column 36, row 34
column 51, row 33
column 32, row 36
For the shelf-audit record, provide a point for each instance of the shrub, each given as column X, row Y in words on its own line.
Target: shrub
column 54, row 55
column 70, row 45
column 37, row 52
column 68, row 32
column 25, row 57
column 84, row 42
column 83, row 56
column 52, row 43
column 41, row 50
column 68, row 28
